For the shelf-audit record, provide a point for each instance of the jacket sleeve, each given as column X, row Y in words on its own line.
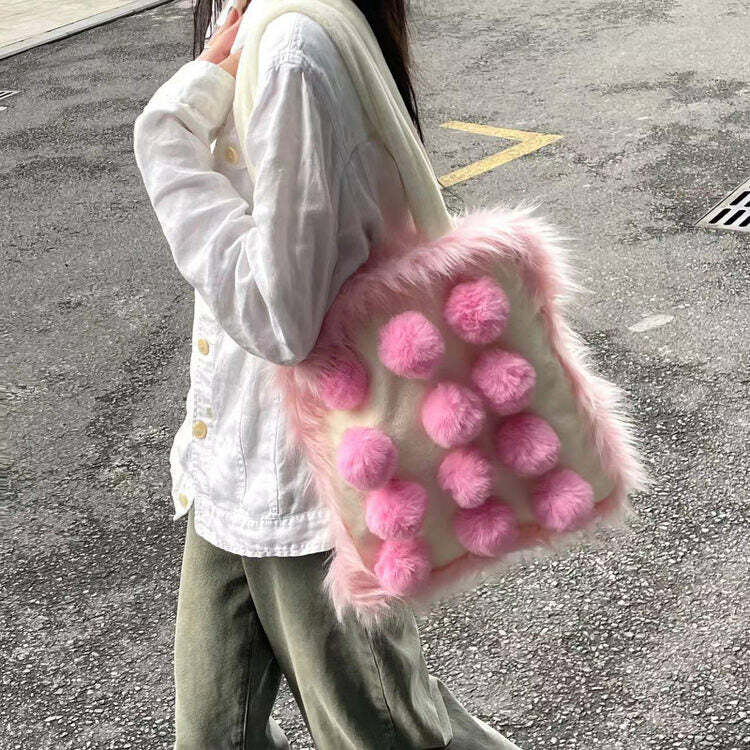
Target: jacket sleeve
column 265, row 273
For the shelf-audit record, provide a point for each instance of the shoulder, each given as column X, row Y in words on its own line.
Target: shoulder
column 296, row 38
column 295, row 42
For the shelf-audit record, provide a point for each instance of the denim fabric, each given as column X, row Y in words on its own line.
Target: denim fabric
column 243, row 622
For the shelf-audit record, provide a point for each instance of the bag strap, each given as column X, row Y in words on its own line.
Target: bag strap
column 384, row 107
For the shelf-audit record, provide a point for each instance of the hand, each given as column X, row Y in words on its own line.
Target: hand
column 218, row 48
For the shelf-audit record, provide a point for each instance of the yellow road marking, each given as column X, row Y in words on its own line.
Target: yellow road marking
column 528, row 142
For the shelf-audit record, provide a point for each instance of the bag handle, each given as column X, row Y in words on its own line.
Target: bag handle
column 382, row 102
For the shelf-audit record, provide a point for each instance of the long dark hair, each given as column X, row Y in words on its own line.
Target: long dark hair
column 388, row 20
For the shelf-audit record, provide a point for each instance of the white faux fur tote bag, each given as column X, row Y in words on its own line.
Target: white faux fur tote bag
column 447, row 412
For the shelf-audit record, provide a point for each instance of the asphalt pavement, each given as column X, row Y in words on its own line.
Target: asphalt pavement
column 639, row 640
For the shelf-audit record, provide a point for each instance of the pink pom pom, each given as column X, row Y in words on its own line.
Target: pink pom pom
column 562, row 500
column 397, row 510
column 410, row 345
column 487, row 529
column 467, row 476
column 477, row 310
column 527, row 445
column 366, row 458
column 344, row 383
column 505, row 379
column 403, row 565
column 452, row 414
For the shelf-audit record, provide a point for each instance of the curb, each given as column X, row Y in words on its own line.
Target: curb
column 68, row 29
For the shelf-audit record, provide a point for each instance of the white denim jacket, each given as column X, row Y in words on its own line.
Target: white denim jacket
column 265, row 261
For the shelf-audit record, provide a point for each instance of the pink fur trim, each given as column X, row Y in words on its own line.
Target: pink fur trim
column 410, row 345
column 487, row 529
column 467, row 476
column 397, row 268
column 403, row 565
column 452, row 414
column 477, row 310
column 397, row 510
column 505, row 379
column 344, row 383
column 562, row 500
column 366, row 458
column 527, row 444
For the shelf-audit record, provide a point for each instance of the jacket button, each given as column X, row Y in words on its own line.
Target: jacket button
column 232, row 155
column 199, row 429
column 203, row 346
column 183, row 498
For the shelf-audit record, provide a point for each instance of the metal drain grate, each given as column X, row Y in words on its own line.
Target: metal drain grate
column 4, row 94
column 733, row 212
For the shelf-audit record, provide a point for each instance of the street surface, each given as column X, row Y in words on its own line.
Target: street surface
column 24, row 24
column 639, row 641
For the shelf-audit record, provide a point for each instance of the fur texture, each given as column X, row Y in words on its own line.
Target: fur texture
column 452, row 414
column 403, row 565
column 527, row 444
column 467, row 476
column 344, row 384
column 367, row 458
column 397, row 510
column 410, row 345
column 562, row 500
column 477, row 310
column 505, row 379
column 403, row 264
column 487, row 529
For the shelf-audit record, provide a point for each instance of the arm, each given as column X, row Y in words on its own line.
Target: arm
column 266, row 273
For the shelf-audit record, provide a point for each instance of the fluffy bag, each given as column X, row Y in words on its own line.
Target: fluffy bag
column 447, row 413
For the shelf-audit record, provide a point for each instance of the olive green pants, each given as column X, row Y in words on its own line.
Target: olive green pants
column 242, row 622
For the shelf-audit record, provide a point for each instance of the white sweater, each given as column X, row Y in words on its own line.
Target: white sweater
column 265, row 261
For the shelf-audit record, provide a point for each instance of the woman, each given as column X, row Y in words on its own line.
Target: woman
column 266, row 258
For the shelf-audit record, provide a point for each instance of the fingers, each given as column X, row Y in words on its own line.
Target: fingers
column 231, row 63
column 221, row 41
column 232, row 22
column 236, row 8
column 233, row 16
